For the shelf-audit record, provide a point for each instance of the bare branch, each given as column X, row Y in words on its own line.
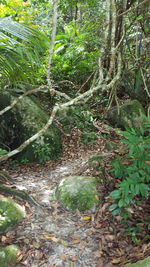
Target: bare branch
column 85, row 82
column 133, row 8
column 53, row 92
column 145, row 85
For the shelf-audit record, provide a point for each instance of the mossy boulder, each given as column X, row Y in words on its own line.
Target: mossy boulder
column 8, row 256
column 10, row 214
column 130, row 115
column 77, row 193
column 141, row 263
column 23, row 121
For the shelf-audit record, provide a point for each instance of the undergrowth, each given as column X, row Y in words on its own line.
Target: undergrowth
column 133, row 174
column 83, row 120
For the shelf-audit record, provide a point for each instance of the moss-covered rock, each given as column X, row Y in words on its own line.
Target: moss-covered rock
column 10, row 214
column 8, row 256
column 141, row 263
column 130, row 115
column 23, row 121
column 77, row 193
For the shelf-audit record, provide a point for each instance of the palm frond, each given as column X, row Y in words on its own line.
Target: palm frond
column 20, row 50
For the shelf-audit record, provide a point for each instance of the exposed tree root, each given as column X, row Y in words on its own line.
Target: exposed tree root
column 22, row 194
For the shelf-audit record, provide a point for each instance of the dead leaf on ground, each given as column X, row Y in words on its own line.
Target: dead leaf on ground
column 63, row 257
column 82, row 245
column 74, row 258
column 36, row 244
column 38, row 254
column 26, row 241
column 86, row 218
column 19, row 256
column 116, row 260
column 51, row 237
column 101, row 263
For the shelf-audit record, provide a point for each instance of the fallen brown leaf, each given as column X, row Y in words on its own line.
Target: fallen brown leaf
column 19, row 256
column 36, row 244
column 51, row 237
column 63, row 257
column 74, row 258
column 116, row 260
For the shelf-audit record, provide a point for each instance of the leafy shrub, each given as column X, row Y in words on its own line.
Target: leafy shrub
column 135, row 175
column 2, row 152
column 71, row 58
column 42, row 152
column 82, row 119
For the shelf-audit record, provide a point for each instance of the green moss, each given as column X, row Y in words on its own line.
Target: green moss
column 24, row 120
column 77, row 193
column 142, row 263
column 129, row 116
column 10, row 214
column 8, row 256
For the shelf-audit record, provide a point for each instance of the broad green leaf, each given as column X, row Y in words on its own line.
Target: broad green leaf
column 115, row 194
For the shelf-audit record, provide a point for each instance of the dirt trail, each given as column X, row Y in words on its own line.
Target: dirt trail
column 50, row 235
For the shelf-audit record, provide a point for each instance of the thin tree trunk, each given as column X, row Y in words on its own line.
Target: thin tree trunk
column 53, row 37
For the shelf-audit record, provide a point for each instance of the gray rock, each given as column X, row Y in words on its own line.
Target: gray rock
column 8, row 256
column 10, row 214
column 23, row 121
column 130, row 115
column 77, row 193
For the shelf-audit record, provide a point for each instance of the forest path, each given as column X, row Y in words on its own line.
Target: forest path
column 50, row 235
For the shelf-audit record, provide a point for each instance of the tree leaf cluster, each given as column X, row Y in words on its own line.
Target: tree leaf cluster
column 134, row 175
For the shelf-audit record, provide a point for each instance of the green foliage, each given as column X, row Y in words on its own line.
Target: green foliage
column 24, row 160
column 2, row 152
column 135, row 175
column 18, row 9
column 82, row 119
column 133, row 231
column 71, row 60
column 136, row 56
column 42, row 152
column 89, row 137
column 20, row 50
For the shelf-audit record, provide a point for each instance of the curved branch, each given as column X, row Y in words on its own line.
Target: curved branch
column 53, row 92
column 20, row 98
column 57, row 108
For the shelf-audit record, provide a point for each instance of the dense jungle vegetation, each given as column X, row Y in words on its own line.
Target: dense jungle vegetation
column 78, row 64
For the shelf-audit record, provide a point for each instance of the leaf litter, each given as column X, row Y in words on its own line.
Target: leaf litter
column 51, row 236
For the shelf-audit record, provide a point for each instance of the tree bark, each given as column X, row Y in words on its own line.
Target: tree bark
column 53, row 37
